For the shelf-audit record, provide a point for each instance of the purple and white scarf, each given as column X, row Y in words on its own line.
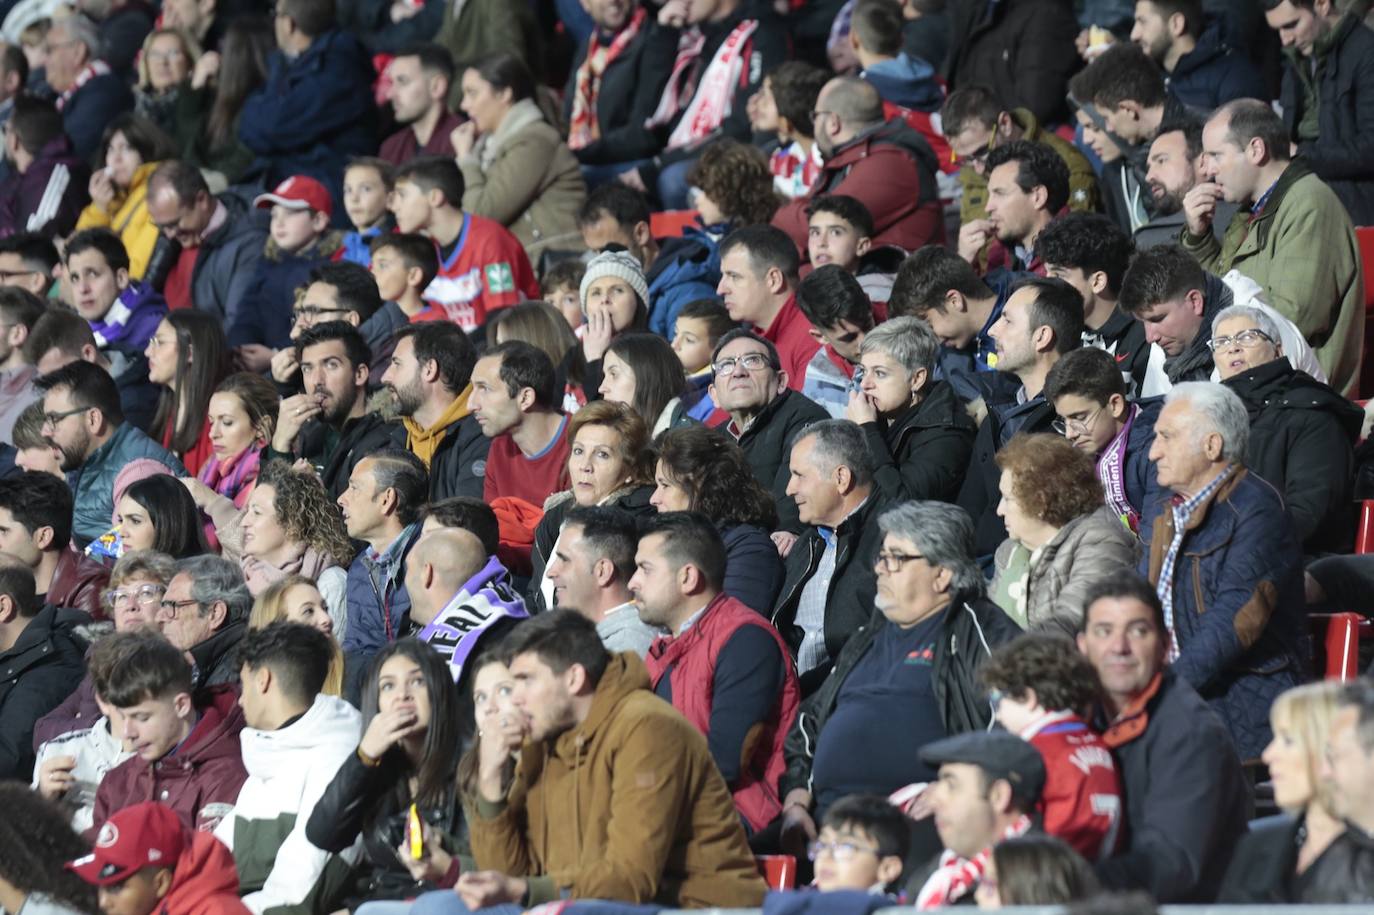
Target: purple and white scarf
column 484, row 600
column 1111, row 470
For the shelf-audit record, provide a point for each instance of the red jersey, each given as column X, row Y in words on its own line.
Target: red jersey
column 534, row 479
column 1081, row 803
column 790, row 332
column 487, row 270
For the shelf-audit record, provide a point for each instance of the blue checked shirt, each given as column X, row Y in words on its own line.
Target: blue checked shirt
column 1183, row 513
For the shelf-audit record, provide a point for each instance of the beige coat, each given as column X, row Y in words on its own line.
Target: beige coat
column 524, row 176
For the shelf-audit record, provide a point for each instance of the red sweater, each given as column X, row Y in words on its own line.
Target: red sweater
column 790, row 332
column 534, row 479
column 1081, row 802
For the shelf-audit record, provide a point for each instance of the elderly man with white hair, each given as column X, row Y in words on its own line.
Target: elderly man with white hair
column 1225, row 562
column 89, row 93
column 1302, row 431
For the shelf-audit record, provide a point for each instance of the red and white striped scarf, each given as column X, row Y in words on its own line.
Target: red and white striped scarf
column 584, row 127
column 91, row 71
column 956, row 877
column 713, row 97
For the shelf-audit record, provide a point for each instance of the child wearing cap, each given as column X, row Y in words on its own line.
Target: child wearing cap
column 146, row 861
column 300, row 240
column 404, row 266
column 367, row 184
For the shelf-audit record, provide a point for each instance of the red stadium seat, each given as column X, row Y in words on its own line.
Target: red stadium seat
column 1364, row 235
column 671, row 223
column 778, row 871
column 1340, row 634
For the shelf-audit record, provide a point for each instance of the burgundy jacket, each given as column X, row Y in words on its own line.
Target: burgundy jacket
column 77, row 583
column 201, row 781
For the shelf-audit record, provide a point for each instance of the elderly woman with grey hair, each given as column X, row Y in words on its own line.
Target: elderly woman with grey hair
column 1226, row 563
column 919, row 432
column 1302, row 431
column 205, row 613
column 903, row 680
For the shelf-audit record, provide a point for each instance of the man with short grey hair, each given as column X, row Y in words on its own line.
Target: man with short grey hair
column 907, row 676
column 204, row 612
column 89, row 93
column 1225, row 562
column 1302, row 432
column 828, row 582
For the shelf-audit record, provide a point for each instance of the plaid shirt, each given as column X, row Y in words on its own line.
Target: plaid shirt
column 1183, row 513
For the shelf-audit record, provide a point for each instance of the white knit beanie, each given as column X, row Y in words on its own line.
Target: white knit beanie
column 619, row 264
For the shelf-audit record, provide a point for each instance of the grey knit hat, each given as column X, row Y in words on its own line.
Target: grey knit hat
column 618, row 264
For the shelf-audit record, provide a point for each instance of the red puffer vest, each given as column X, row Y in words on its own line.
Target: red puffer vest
column 695, row 653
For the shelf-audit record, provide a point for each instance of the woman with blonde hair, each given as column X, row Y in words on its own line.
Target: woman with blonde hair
column 164, row 72
column 296, row 599
column 1061, row 536
column 1273, row 861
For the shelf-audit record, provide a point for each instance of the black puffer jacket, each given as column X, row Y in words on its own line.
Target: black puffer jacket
column 36, row 674
column 372, row 802
column 629, row 92
column 361, row 437
column 459, row 466
column 1302, row 440
column 973, row 628
column 925, row 453
column 767, row 446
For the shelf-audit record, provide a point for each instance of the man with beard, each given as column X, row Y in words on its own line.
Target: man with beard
column 429, row 380
column 328, row 425
column 82, row 419
column 1171, row 172
column 1028, row 184
column 418, row 92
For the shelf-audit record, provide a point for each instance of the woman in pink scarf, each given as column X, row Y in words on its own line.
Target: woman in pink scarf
column 243, row 412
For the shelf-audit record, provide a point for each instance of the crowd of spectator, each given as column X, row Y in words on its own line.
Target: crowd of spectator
column 621, row 456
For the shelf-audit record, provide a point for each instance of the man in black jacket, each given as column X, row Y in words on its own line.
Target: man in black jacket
column 765, row 416
column 40, row 660
column 328, row 425
column 429, row 380
column 905, row 679
column 828, row 583
column 1042, row 320
column 1302, row 432
column 1187, row 798
column 1329, row 115
column 1022, row 49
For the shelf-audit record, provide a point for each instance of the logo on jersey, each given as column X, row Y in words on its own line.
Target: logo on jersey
column 500, row 278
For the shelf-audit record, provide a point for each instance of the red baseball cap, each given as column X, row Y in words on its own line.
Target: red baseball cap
column 136, row 837
column 298, row 193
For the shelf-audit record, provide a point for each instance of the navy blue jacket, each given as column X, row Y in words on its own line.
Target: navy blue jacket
column 1141, row 485
column 90, row 109
column 313, row 114
column 1238, row 611
column 1213, row 73
column 371, row 594
column 265, row 314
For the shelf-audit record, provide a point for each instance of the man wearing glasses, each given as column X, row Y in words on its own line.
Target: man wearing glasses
column 83, row 419
column 765, row 416
column 1302, row 432
column 204, row 612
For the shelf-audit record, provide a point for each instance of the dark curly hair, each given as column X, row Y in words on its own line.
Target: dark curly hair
column 35, row 841
column 1062, row 677
column 737, row 179
column 1052, row 480
column 716, row 475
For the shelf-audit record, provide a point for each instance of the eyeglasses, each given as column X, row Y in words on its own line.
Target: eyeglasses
column 312, row 313
column 840, row 851
column 52, row 419
column 750, row 362
column 1069, row 425
column 981, row 156
column 1246, row 338
column 165, row 56
column 146, row 596
column 173, row 607
column 892, row 563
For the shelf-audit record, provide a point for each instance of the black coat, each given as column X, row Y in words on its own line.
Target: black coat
column 925, row 452
column 1344, row 874
column 1020, row 49
column 1343, row 154
column 853, row 585
column 1187, row 799
column 361, row 437
column 1264, row 869
column 36, row 674
column 630, row 89
column 973, row 627
column 767, row 446
column 459, row 466
column 217, row 657
column 1302, row 440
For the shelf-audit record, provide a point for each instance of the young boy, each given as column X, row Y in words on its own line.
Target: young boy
column 404, row 266
column 186, row 751
column 840, row 231
column 300, row 240
column 784, row 107
column 561, row 284
column 840, row 315
column 862, row 845
column 367, row 184
column 145, row 861
column 482, row 266
column 699, row 327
